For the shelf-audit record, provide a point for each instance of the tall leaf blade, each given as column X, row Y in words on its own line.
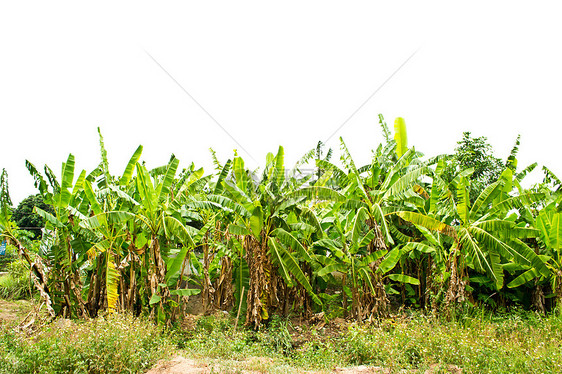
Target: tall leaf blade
column 68, row 172
column 128, row 173
column 400, row 136
column 164, row 187
column 555, row 234
column 463, row 205
column 145, row 188
column 279, row 168
column 222, row 177
column 240, row 174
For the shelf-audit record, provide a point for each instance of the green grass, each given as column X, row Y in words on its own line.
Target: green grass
column 511, row 343
column 477, row 342
column 16, row 284
column 116, row 344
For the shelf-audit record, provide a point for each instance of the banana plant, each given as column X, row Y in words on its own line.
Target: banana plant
column 375, row 190
column 9, row 233
column 548, row 222
column 105, row 213
column 65, row 244
column 480, row 237
column 259, row 209
column 345, row 251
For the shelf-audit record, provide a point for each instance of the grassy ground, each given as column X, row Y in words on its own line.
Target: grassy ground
column 511, row 343
column 476, row 342
column 115, row 344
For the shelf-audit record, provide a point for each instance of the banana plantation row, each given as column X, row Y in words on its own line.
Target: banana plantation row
column 347, row 240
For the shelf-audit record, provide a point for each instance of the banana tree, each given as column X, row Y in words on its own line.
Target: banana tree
column 548, row 243
column 65, row 244
column 481, row 238
column 375, row 190
column 345, row 251
column 8, row 232
column 258, row 209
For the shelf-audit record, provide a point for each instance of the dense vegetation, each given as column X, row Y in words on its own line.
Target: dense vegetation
column 345, row 240
column 411, row 342
column 118, row 344
column 517, row 342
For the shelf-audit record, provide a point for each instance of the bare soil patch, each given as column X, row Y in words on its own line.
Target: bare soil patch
column 254, row 365
column 11, row 311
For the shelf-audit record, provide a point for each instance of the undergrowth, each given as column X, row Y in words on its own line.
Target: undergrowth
column 115, row 344
column 515, row 342
column 16, row 284
column 476, row 342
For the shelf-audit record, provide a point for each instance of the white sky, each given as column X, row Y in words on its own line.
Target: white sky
column 286, row 73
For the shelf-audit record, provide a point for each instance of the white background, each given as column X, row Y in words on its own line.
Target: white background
column 286, row 73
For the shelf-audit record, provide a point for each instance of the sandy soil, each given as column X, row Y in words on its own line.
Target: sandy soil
column 182, row 365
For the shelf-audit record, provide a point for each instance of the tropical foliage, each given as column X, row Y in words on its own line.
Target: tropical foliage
column 343, row 239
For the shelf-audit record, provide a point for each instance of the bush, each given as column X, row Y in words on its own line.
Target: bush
column 16, row 284
column 117, row 344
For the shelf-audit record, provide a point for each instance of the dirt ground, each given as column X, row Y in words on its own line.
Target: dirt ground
column 11, row 311
column 182, row 365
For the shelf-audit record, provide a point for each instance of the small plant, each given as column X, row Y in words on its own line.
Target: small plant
column 277, row 337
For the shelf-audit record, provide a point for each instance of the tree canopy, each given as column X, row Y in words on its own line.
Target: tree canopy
column 25, row 217
column 476, row 154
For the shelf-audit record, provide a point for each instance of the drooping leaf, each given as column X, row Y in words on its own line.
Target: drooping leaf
column 40, row 183
column 390, row 261
column 184, row 292
column 292, row 266
column 404, row 279
column 523, row 278
column 277, row 259
column 292, row 242
column 428, row 222
column 48, row 217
